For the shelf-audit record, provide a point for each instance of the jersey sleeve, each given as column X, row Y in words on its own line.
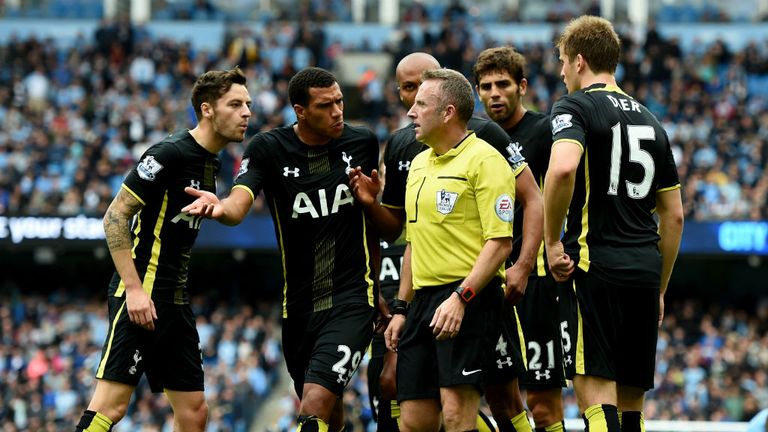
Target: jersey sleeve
column 495, row 135
column 250, row 176
column 668, row 177
column 494, row 186
column 567, row 122
column 151, row 176
column 396, row 176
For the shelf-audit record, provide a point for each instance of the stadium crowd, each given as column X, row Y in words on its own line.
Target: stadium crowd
column 75, row 119
column 50, row 347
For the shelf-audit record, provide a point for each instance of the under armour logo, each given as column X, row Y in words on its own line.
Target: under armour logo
column 195, row 184
column 287, row 171
column 348, row 160
column 567, row 360
column 507, row 362
column 136, row 359
column 403, row 165
column 540, row 375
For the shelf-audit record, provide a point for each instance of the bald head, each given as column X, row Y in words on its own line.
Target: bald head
column 408, row 75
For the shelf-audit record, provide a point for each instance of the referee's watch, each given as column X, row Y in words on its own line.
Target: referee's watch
column 465, row 293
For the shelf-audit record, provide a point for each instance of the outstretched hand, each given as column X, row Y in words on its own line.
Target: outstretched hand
column 207, row 204
column 365, row 188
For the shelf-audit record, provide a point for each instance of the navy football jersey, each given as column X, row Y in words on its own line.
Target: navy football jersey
column 627, row 159
column 532, row 137
column 162, row 235
column 320, row 227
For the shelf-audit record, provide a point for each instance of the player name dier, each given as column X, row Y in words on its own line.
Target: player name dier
column 624, row 104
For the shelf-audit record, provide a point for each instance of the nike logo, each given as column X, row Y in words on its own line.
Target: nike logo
column 465, row 372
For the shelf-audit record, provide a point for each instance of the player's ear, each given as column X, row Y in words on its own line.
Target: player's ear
column 206, row 110
column 299, row 110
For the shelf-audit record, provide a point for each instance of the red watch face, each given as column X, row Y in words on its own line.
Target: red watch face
column 467, row 294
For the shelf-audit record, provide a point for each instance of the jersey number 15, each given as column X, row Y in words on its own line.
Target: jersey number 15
column 635, row 134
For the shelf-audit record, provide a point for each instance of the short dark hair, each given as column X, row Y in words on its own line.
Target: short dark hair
column 212, row 85
column 455, row 90
column 501, row 59
column 311, row 77
column 595, row 39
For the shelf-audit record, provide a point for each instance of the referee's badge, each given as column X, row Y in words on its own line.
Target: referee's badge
column 446, row 201
column 505, row 208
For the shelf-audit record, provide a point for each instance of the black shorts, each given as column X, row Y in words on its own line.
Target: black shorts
column 326, row 347
column 424, row 364
column 617, row 331
column 545, row 334
column 170, row 355
column 506, row 359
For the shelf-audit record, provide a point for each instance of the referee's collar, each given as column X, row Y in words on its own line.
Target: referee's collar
column 457, row 149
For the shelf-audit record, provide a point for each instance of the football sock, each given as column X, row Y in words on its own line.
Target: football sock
column 554, row 427
column 91, row 421
column 311, row 424
column 632, row 421
column 601, row 418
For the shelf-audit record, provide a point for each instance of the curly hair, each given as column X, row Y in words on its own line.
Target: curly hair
column 212, row 85
column 501, row 59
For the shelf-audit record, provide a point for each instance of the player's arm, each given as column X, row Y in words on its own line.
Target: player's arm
column 229, row 211
column 117, row 230
column 400, row 304
column 388, row 220
column 527, row 192
column 669, row 207
column 558, row 191
column 448, row 316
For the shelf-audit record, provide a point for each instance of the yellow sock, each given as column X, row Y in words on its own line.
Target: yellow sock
column 555, row 427
column 394, row 409
column 602, row 418
column 312, row 424
column 521, row 424
column 92, row 421
column 484, row 423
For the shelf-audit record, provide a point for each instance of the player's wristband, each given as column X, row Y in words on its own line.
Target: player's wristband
column 399, row 307
column 465, row 293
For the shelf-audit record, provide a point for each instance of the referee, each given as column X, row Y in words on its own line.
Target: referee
column 459, row 210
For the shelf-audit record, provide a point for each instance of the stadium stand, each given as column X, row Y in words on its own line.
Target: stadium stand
column 50, row 346
column 76, row 118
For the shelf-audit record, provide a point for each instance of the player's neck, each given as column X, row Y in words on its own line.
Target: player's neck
column 515, row 118
column 599, row 78
column 308, row 137
column 207, row 140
